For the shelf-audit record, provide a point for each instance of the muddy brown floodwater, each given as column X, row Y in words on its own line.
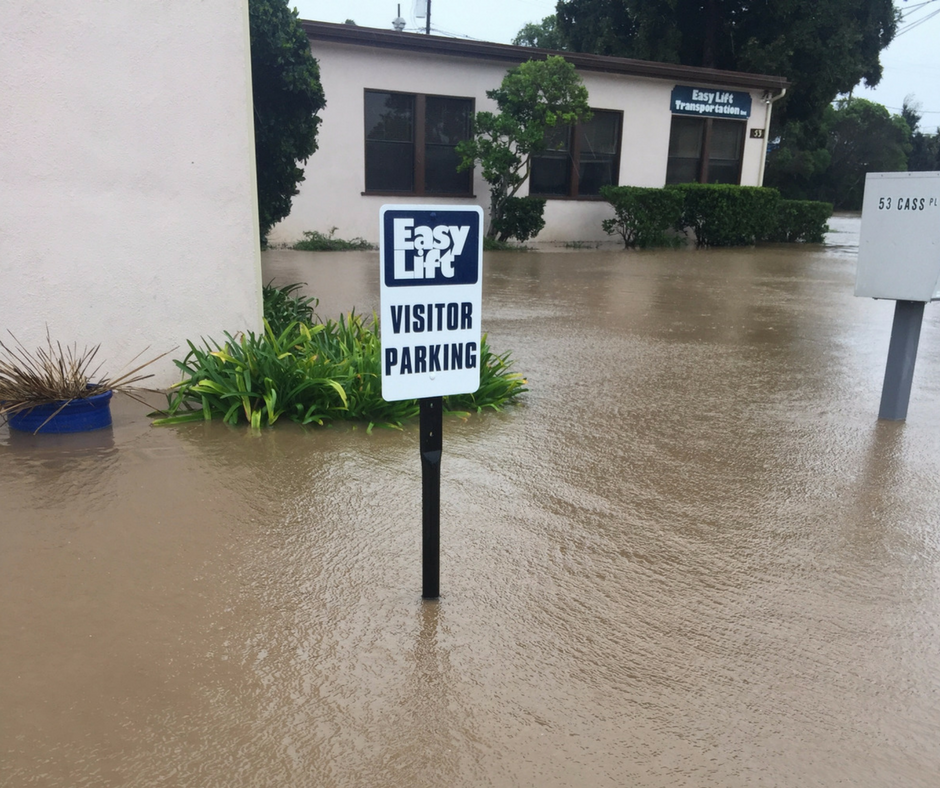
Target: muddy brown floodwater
column 691, row 557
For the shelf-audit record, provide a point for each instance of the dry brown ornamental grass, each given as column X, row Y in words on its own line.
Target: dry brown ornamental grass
column 56, row 373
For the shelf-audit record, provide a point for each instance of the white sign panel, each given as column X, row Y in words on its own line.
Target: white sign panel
column 431, row 270
column 899, row 244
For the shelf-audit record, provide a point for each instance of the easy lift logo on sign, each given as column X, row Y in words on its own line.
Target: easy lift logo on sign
column 431, row 294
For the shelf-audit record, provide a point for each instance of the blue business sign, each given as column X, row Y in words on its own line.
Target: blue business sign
column 711, row 102
column 430, row 247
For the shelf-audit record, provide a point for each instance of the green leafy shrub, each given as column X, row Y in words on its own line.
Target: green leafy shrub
column 312, row 374
column 727, row 215
column 801, row 220
column 255, row 378
column 718, row 215
column 282, row 306
column 286, row 100
column 499, row 385
column 315, row 241
column 533, row 98
column 521, row 219
column 643, row 217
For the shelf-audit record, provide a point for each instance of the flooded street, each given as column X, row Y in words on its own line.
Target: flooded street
column 691, row 557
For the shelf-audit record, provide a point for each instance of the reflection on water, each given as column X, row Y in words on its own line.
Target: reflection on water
column 56, row 467
column 692, row 556
column 842, row 238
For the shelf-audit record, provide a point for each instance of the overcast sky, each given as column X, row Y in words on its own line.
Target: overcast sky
column 911, row 63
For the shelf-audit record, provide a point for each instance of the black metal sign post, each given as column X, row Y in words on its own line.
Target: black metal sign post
column 432, row 422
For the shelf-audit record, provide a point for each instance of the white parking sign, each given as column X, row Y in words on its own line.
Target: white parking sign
column 431, row 270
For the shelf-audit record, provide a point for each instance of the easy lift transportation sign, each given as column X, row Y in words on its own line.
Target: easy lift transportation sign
column 431, row 293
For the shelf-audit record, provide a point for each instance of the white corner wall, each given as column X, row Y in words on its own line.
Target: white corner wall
column 127, row 186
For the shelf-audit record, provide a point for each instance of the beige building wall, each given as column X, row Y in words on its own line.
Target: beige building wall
column 127, row 196
column 331, row 195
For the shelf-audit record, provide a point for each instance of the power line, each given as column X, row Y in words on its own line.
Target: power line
column 919, row 111
column 918, row 23
column 909, row 8
column 453, row 35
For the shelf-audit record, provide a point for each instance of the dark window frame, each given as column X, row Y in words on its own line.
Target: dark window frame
column 419, row 145
column 574, row 161
column 704, row 157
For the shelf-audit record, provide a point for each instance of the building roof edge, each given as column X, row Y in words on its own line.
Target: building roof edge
column 484, row 50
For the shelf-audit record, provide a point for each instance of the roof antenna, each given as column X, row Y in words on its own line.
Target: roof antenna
column 421, row 13
column 398, row 23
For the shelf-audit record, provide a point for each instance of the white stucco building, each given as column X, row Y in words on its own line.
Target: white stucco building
column 398, row 103
column 127, row 179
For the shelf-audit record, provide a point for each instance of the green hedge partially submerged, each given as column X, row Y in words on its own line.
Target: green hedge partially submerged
column 643, row 217
column 724, row 215
column 801, row 220
column 716, row 214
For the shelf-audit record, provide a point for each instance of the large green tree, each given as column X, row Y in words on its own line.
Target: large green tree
column 534, row 97
column 544, row 34
column 798, row 162
column 855, row 137
column 287, row 97
column 824, row 47
column 925, row 148
column 863, row 137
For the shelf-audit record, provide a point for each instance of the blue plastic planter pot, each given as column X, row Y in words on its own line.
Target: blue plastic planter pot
column 79, row 415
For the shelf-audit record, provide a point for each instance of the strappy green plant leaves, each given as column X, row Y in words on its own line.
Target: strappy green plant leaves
column 284, row 305
column 312, row 373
